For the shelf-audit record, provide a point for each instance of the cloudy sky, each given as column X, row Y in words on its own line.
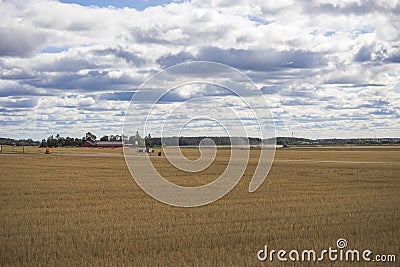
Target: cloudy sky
column 327, row 68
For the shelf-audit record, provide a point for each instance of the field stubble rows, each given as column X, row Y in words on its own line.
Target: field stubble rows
column 67, row 210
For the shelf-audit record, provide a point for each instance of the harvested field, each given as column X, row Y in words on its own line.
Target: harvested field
column 64, row 209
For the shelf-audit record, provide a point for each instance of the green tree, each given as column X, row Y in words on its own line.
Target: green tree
column 90, row 135
column 78, row 142
column 52, row 142
column 147, row 141
column 43, row 143
column 104, row 138
column 69, row 141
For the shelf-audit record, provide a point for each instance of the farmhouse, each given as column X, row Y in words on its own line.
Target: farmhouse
column 101, row 144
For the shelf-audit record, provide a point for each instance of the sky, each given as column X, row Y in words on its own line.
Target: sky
column 327, row 68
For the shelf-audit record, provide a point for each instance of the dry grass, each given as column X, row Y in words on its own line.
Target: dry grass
column 86, row 210
column 60, row 150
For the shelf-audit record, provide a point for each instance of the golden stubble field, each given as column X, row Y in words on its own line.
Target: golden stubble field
column 65, row 210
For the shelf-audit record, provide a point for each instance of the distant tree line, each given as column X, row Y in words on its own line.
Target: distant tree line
column 20, row 142
column 336, row 141
column 148, row 141
column 195, row 140
column 111, row 138
column 60, row 141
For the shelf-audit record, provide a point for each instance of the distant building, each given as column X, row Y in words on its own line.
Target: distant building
column 101, row 144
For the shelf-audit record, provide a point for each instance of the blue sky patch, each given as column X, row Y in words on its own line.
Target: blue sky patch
column 136, row 4
column 259, row 21
column 54, row 49
column 329, row 33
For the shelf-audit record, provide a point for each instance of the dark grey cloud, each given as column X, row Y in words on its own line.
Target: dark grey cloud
column 344, row 80
column 381, row 54
column 356, row 8
column 364, row 54
column 152, row 35
column 21, row 90
column 13, row 74
column 20, row 42
column 98, row 109
column 329, row 119
column 17, row 102
column 327, row 98
column 281, row 77
column 132, row 58
column 11, row 123
column 297, row 102
column 173, row 59
column 301, row 92
column 270, row 89
column 380, row 124
column 339, row 107
column 394, row 58
column 117, row 96
column 362, row 85
column 93, row 81
column 12, row 112
column 262, row 60
column 175, row 96
column 375, row 104
column 79, row 26
column 119, row 114
column 67, row 64
column 383, row 111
